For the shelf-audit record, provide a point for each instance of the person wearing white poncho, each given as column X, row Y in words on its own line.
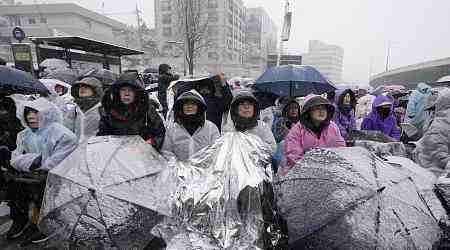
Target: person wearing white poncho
column 191, row 131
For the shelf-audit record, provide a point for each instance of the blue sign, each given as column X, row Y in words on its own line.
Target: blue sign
column 18, row 34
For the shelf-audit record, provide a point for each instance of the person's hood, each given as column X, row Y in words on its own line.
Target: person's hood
column 340, row 94
column 286, row 105
column 312, row 101
column 164, row 68
column 191, row 95
column 92, row 82
column 443, row 101
column 381, row 100
column 7, row 103
column 112, row 96
column 50, row 84
column 48, row 112
column 244, row 96
column 423, row 88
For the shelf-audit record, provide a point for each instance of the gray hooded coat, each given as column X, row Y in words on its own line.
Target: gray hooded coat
column 84, row 124
column 179, row 143
column 433, row 150
column 52, row 141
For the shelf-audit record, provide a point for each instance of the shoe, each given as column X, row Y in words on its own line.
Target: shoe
column 35, row 238
column 17, row 229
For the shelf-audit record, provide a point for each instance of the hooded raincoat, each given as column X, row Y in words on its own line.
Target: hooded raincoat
column 165, row 78
column 178, row 141
column 52, row 141
column 418, row 102
column 301, row 138
column 83, row 116
column 138, row 118
column 260, row 129
column 374, row 121
column 284, row 124
column 433, row 150
column 344, row 117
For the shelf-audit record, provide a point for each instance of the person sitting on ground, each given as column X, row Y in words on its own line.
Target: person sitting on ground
column 344, row 116
column 290, row 115
column 126, row 111
column 41, row 146
column 191, row 131
column 382, row 118
column 83, row 118
column 433, row 150
column 315, row 129
column 244, row 113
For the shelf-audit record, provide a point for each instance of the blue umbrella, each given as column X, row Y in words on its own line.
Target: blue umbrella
column 14, row 81
column 293, row 80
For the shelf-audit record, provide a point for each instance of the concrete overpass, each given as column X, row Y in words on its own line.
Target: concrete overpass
column 409, row 76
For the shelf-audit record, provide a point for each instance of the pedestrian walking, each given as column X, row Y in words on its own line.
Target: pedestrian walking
column 165, row 78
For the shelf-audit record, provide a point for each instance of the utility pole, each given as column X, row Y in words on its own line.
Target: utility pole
column 282, row 35
column 139, row 32
column 388, row 56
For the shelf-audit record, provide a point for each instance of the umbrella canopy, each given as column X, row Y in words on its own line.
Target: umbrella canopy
column 66, row 75
column 107, row 77
column 347, row 198
column 53, row 63
column 294, row 80
column 14, row 81
column 108, row 193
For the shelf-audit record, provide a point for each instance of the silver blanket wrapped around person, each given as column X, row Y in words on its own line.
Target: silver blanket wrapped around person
column 348, row 198
column 108, row 194
column 224, row 198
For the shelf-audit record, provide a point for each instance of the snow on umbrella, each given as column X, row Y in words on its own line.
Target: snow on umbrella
column 53, row 63
column 14, row 81
column 107, row 77
column 293, row 80
column 66, row 75
column 108, row 194
column 347, row 198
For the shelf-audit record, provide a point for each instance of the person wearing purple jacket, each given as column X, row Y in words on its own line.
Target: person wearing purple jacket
column 344, row 117
column 382, row 118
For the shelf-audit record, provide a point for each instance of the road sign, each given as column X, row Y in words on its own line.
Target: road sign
column 18, row 34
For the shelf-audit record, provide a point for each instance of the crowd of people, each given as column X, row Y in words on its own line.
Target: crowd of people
column 39, row 133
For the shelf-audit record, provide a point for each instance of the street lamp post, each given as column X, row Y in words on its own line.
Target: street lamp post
column 184, row 53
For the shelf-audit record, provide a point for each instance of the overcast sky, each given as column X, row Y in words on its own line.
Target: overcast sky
column 418, row 30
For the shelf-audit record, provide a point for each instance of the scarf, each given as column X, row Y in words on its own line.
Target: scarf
column 86, row 103
column 243, row 124
column 192, row 122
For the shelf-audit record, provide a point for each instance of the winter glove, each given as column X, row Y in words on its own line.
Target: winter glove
column 36, row 163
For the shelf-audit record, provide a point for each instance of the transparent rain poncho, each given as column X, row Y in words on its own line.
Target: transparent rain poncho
column 52, row 141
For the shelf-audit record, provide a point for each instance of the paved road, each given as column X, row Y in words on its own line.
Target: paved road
column 5, row 223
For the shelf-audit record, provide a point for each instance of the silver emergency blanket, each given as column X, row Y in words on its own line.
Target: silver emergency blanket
column 348, row 198
column 221, row 197
column 108, row 194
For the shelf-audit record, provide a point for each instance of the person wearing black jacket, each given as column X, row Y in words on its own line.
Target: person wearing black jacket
column 126, row 110
column 218, row 98
column 165, row 78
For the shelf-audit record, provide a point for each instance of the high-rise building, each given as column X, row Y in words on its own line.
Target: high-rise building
column 328, row 59
column 6, row 2
column 261, row 38
column 225, row 33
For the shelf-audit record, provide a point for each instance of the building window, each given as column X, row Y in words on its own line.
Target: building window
column 213, row 56
column 167, row 19
column 212, row 4
column 43, row 20
column 167, row 31
column 166, row 6
column 212, row 31
column 31, row 21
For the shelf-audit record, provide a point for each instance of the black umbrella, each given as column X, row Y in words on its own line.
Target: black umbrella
column 14, row 81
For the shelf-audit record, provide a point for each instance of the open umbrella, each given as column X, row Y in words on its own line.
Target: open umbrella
column 53, row 63
column 14, row 81
column 66, row 75
column 347, row 198
column 293, row 80
column 108, row 194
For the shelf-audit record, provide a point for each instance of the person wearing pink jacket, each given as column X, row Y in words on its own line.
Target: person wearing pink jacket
column 315, row 130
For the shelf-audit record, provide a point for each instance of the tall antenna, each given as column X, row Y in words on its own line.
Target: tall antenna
column 139, row 31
